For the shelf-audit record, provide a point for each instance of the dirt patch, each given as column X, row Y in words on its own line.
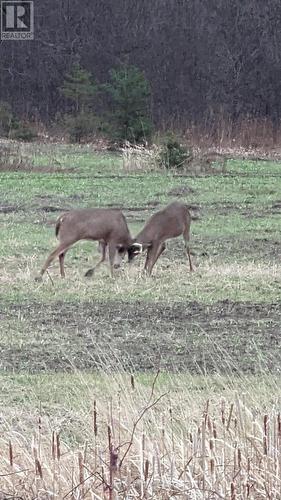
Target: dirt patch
column 8, row 209
column 246, row 209
column 23, row 167
column 180, row 191
column 61, row 199
column 234, row 249
column 223, row 337
column 50, row 208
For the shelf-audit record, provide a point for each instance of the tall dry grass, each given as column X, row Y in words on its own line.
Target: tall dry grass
column 148, row 443
column 139, row 158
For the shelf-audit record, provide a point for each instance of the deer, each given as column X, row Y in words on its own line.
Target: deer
column 171, row 222
column 105, row 225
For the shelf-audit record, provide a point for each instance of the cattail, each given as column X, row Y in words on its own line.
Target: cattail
column 232, row 492
column 113, row 459
column 265, row 429
column 239, row 456
column 223, row 411
column 109, row 436
column 11, row 459
column 81, row 468
column 53, row 446
column 58, row 446
column 132, row 382
column 214, row 430
column 95, row 419
column 209, row 423
column 38, row 468
column 212, row 466
column 265, row 424
column 279, row 425
column 146, row 469
column 229, row 417
column 39, row 431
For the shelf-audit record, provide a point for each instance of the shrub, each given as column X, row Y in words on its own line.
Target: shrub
column 13, row 128
column 80, row 125
column 173, row 154
column 22, row 132
column 130, row 115
column 6, row 118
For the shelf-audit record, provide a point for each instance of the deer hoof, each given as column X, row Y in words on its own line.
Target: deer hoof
column 89, row 273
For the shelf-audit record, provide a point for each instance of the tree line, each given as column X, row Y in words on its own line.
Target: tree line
column 202, row 58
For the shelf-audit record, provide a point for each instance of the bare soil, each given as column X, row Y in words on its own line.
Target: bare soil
column 195, row 337
column 25, row 167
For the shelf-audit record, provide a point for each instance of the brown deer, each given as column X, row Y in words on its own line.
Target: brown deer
column 168, row 223
column 107, row 226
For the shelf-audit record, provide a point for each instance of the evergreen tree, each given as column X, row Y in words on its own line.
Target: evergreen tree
column 79, row 88
column 130, row 115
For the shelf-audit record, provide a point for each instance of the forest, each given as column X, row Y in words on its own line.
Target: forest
column 203, row 59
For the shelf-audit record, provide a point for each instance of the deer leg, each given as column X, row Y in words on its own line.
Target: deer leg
column 153, row 253
column 91, row 271
column 61, row 248
column 61, row 259
column 111, row 254
column 160, row 251
column 187, row 250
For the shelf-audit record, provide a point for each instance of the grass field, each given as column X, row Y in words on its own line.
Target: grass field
column 68, row 345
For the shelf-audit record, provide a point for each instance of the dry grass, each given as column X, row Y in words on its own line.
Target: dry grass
column 141, row 442
column 171, row 281
column 249, row 134
column 140, row 158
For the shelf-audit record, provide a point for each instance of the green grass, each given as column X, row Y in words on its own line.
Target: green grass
column 250, row 167
column 137, row 189
column 83, row 162
column 225, row 310
column 236, row 224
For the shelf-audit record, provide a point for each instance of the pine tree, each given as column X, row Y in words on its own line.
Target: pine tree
column 79, row 88
column 130, row 115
